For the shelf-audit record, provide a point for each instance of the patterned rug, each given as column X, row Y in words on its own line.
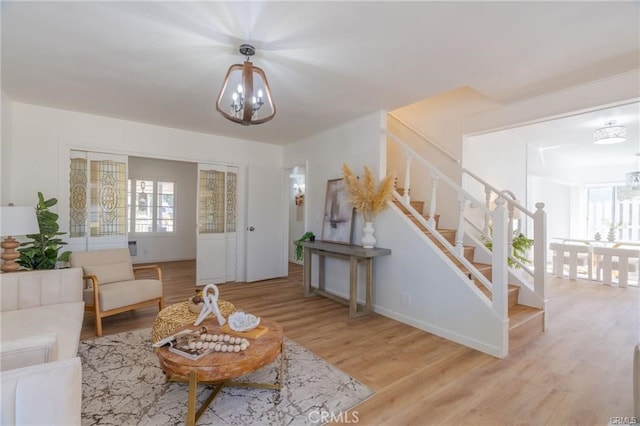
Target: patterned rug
column 122, row 384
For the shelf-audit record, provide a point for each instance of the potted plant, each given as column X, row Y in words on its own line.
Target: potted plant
column 520, row 245
column 43, row 251
column 307, row 236
column 368, row 198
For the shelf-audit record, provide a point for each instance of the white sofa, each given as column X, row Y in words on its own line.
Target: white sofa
column 41, row 315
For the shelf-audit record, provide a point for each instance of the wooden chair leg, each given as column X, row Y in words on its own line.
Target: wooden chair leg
column 98, row 324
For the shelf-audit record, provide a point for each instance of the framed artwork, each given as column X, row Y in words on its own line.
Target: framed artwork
column 337, row 223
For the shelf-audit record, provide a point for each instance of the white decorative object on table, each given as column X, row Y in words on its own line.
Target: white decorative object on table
column 210, row 305
column 368, row 240
column 242, row 321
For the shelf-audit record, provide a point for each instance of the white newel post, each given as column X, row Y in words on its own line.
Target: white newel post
column 540, row 256
column 499, row 271
column 432, row 203
column 487, row 204
column 407, row 177
column 499, row 259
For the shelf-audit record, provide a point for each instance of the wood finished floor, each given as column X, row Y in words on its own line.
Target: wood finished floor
column 576, row 373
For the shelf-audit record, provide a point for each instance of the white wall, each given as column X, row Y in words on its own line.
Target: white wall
column 182, row 244
column 439, row 118
column 441, row 300
column 6, row 112
column 42, row 137
column 357, row 143
column 557, row 198
column 499, row 160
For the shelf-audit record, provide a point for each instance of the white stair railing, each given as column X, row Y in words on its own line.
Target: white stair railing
column 498, row 287
column 517, row 214
column 498, row 225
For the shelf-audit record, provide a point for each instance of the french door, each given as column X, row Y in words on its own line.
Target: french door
column 216, row 241
column 97, row 201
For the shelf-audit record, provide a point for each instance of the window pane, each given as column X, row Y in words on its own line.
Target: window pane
column 627, row 213
column 231, row 201
column 211, row 203
column 614, row 213
column 165, row 212
column 108, row 198
column 78, row 198
column 143, row 216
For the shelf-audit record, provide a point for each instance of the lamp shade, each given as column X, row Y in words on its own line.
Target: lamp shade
column 18, row 220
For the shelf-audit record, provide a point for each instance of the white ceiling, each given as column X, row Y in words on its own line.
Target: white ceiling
column 327, row 62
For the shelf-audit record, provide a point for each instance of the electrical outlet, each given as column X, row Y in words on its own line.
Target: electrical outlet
column 406, row 299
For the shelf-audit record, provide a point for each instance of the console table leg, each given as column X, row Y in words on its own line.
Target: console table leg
column 369, row 285
column 353, row 286
column 321, row 272
column 307, row 273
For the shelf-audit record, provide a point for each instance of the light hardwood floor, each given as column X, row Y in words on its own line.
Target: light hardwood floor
column 576, row 373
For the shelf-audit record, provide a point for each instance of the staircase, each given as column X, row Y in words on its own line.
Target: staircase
column 525, row 322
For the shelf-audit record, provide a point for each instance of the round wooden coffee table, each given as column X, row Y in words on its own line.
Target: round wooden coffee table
column 219, row 368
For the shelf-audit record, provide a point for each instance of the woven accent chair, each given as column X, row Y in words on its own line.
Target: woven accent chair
column 111, row 286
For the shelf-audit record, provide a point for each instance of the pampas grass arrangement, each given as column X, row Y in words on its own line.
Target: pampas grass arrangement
column 365, row 196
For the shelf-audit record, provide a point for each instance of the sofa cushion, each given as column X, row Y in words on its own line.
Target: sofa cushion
column 29, row 289
column 27, row 351
column 45, row 394
column 64, row 319
column 117, row 295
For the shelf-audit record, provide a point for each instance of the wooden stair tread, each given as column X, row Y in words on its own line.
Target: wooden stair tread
column 521, row 314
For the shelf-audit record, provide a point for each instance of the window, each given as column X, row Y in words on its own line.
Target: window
column 97, row 195
column 152, row 207
column 613, row 212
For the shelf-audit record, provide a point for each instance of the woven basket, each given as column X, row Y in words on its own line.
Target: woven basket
column 179, row 314
column 193, row 307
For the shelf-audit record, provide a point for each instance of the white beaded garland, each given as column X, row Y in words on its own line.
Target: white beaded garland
column 218, row 343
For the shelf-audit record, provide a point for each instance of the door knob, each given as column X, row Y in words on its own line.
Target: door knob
column 251, row 228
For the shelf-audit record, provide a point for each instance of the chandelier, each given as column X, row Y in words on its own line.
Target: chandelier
column 245, row 96
column 610, row 134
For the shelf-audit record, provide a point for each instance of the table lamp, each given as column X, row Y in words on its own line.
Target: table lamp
column 15, row 220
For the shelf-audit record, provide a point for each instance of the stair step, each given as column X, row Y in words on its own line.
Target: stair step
column 526, row 324
column 436, row 219
column 520, row 315
column 418, row 205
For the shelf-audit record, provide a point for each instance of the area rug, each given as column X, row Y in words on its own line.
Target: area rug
column 122, row 384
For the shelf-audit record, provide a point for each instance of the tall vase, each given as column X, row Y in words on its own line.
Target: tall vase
column 368, row 240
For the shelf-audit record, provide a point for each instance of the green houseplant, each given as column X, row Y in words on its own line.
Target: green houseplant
column 43, row 251
column 307, row 236
column 520, row 245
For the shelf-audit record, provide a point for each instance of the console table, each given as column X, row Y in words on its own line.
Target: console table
column 354, row 254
